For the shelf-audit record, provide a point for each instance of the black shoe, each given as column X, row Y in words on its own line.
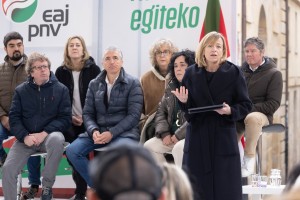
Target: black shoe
column 46, row 193
column 2, row 160
column 79, row 197
column 30, row 193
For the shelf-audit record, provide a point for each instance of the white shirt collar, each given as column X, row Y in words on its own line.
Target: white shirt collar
column 107, row 81
column 253, row 69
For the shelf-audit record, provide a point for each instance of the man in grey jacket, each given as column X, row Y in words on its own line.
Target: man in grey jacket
column 111, row 113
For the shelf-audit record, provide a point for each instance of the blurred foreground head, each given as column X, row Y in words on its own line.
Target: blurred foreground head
column 176, row 183
column 126, row 172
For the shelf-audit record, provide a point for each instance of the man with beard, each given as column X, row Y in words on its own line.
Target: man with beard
column 12, row 73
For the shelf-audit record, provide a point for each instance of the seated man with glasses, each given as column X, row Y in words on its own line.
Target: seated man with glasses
column 40, row 112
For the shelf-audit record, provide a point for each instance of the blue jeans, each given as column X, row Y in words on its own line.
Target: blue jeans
column 33, row 164
column 82, row 146
column 34, row 170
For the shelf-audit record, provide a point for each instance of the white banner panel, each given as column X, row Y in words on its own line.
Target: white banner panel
column 131, row 25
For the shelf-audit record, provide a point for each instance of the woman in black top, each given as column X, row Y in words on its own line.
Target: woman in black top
column 77, row 71
column 211, row 151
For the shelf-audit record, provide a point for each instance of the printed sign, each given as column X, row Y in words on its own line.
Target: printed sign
column 131, row 25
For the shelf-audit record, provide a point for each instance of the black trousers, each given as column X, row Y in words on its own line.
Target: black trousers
column 70, row 136
column 80, row 183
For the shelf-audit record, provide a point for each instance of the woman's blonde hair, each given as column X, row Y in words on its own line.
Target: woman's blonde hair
column 67, row 60
column 176, row 183
column 209, row 38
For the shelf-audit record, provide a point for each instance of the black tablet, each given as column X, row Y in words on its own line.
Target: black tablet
column 204, row 109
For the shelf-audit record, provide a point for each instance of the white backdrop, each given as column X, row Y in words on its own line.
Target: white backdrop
column 46, row 25
column 110, row 22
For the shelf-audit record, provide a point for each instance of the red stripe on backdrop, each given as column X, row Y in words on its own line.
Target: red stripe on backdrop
column 222, row 29
column 8, row 143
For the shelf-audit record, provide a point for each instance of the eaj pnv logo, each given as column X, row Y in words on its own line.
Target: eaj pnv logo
column 19, row 11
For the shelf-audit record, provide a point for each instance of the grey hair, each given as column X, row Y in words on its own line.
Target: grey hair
column 113, row 48
column 256, row 41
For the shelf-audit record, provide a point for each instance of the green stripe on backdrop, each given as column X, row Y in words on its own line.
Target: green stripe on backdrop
column 212, row 16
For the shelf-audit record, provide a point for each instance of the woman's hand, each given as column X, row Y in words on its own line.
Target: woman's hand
column 181, row 94
column 167, row 140
column 226, row 110
column 77, row 120
column 174, row 139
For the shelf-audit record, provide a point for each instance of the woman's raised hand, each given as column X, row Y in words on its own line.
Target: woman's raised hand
column 181, row 94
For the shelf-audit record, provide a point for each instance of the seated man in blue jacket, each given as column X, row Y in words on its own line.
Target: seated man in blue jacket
column 111, row 113
column 40, row 112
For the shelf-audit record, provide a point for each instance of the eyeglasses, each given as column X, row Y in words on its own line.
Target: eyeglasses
column 162, row 53
column 39, row 68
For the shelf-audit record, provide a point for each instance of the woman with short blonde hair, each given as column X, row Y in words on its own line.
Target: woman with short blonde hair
column 211, row 151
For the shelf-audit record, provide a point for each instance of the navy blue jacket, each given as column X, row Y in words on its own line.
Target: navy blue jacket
column 121, row 114
column 40, row 108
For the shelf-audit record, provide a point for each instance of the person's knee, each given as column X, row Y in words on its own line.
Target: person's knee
column 150, row 144
column 253, row 119
column 73, row 151
column 55, row 143
column 56, row 138
column 70, row 152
